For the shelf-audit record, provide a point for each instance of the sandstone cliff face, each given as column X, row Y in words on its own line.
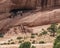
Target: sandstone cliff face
column 4, row 6
column 7, row 5
column 27, row 4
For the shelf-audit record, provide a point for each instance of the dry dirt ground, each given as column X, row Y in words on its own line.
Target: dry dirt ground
column 46, row 38
column 49, row 45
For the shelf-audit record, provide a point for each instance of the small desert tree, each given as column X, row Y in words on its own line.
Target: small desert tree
column 53, row 28
column 25, row 45
column 57, row 42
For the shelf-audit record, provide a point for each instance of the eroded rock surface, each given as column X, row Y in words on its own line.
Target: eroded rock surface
column 7, row 5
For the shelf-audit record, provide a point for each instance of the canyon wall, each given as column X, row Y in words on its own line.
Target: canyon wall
column 7, row 5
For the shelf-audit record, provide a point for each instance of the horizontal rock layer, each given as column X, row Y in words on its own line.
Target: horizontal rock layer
column 38, row 19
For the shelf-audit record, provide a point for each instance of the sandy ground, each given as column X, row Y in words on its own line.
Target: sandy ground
column 37, row 29
column 48, row 45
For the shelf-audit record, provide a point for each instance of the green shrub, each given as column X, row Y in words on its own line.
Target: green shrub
column 58, row 45
column 19, row 38
column 36, row 33
column 12, row 42
column 8, row 43
column 25, row 45
column 52, row 29
column 58, row 32
column 43, row 32
column 59, row 27
column 9, row 40
column 41, row 42
column 33, row 47
column 33, row 42
column 57, row 42
column 32, row 33
column 20, row 41
column 40, row 34
column 32, row 36
column 1, row 44
column 4, row 43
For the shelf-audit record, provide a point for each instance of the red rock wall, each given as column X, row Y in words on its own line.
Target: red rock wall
column 7, row 5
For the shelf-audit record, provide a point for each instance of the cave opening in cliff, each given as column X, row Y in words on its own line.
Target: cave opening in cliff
column 15, row 11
